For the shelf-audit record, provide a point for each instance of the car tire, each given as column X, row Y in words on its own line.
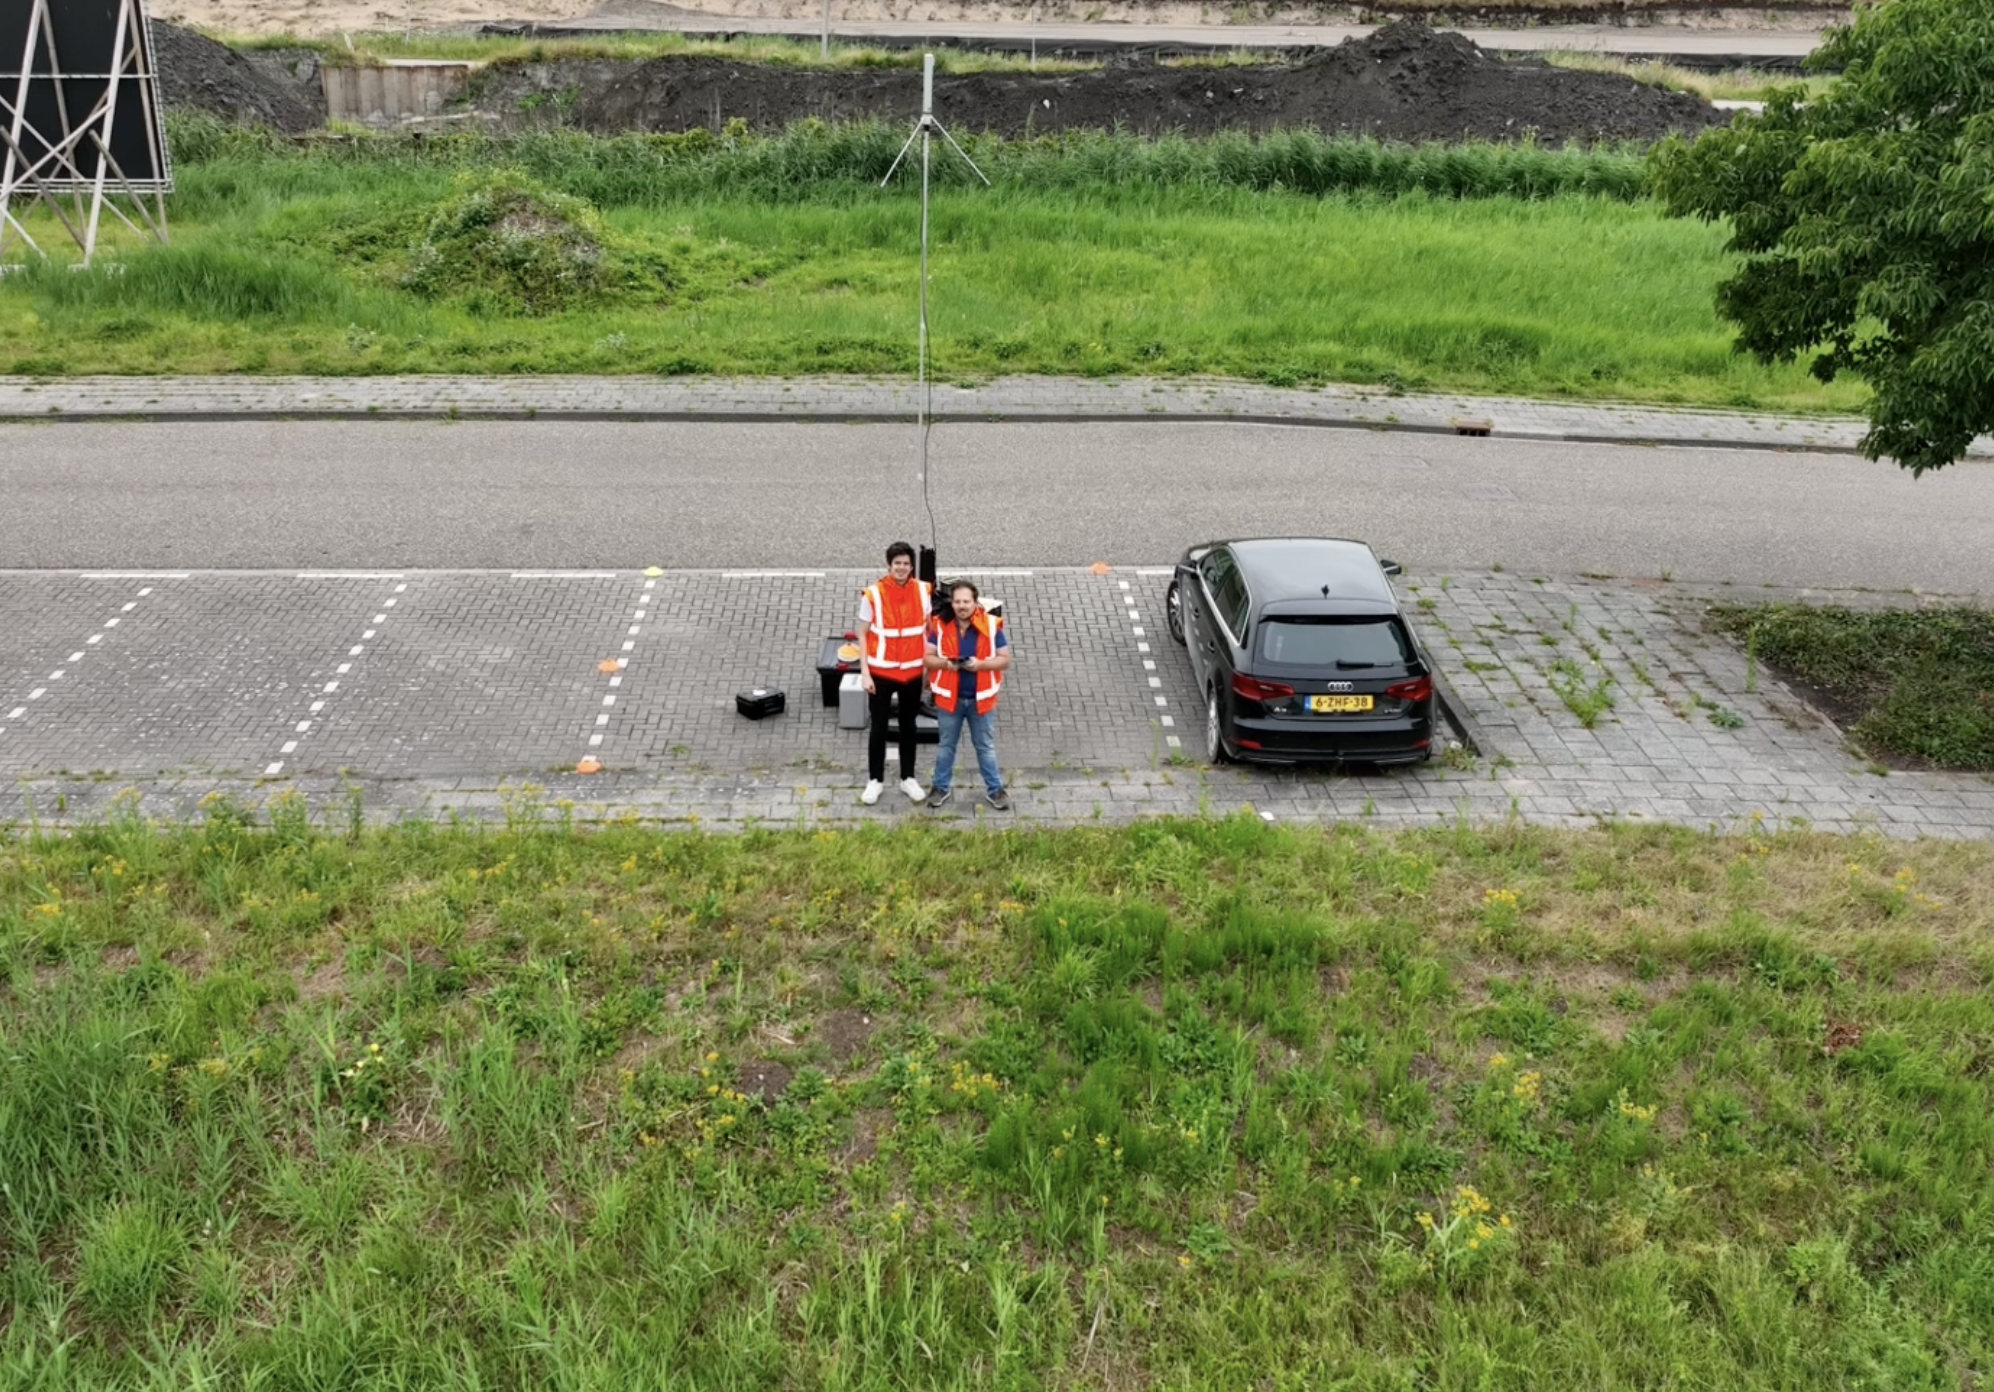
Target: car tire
column 1215, row 750
column 1173, row 612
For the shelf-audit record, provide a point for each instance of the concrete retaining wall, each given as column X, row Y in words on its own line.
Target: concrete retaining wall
column 397, row 91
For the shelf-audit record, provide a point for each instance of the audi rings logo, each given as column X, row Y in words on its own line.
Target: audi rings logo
column 1339, row 686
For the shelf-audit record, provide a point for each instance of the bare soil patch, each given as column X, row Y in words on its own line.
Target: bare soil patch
column 844, row 1033
column 270, row 88
column 1404, row 83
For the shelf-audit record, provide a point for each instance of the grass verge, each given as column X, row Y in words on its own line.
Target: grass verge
column 1191, row 1104
column 1094, row 255
column 1910, row 686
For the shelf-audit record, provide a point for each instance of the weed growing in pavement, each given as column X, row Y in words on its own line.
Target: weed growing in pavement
column 523, row 1104
column 1583, row 696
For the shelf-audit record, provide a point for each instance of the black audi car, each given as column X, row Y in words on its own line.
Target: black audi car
column 1301, row 653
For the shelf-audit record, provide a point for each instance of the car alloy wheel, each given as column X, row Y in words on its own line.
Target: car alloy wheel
column 1173, row 612
column 1214, row 738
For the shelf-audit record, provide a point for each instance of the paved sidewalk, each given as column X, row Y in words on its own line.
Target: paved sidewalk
column 856, row 399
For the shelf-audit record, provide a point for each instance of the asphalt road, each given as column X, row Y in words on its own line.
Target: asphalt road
column 1645, row 41
column 534, row 495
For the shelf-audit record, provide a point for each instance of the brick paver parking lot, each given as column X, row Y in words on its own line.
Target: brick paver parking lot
column 440, row 693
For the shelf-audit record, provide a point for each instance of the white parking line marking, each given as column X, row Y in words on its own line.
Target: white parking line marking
column 564, row 575
column 89, row 642
column 303, row 727
column 645, row 598
column 1134, row 616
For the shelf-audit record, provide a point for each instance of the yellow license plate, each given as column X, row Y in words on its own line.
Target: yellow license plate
column 1340, row 703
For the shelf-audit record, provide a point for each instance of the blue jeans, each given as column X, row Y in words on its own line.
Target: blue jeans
column 982, row 735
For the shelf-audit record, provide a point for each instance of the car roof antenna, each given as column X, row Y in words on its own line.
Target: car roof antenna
column 924, row 131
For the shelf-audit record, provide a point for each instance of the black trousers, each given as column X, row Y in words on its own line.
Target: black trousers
column 878, row 705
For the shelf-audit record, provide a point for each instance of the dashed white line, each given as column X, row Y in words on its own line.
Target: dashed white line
column 91, row 641
column 646, row 597
column 1134, row 616
column 303, row 727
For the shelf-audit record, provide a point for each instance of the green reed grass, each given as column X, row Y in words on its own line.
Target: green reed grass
column 1188, row 1104
column 1293, row 259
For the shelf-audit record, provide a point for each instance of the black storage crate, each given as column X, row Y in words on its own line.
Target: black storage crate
column 759, row 704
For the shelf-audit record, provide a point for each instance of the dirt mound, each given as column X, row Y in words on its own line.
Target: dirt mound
column 1406, row 82
column 196, row 73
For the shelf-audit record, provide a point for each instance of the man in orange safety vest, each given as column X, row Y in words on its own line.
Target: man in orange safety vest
column 893, row 622
column 968, row 654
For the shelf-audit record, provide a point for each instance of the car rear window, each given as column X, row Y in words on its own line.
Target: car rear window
column 1357, row 643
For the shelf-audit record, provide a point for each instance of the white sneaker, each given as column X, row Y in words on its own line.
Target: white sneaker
column 872, row 791
column 912, row 787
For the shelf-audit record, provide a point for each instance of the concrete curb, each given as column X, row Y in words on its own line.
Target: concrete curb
column 1455, row 711
column 831, row 416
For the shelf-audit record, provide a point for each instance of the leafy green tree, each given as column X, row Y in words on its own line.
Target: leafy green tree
column 1866, row 221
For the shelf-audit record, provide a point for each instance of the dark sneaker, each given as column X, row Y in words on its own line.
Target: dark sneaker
column 939, row 797
column 1000, row 801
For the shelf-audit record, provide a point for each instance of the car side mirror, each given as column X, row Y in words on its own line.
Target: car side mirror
column 1391, row 567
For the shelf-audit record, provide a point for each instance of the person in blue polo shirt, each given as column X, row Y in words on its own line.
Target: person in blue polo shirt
column 968, row 654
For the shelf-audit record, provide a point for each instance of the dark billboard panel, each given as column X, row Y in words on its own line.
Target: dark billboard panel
column 48, row 95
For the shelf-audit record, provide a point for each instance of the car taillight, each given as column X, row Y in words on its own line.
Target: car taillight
column 1253, row 689
column 1417, row 689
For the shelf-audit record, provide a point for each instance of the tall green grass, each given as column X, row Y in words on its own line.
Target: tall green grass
column 1194, row 1104
column 1292, row 259
column 813, row 159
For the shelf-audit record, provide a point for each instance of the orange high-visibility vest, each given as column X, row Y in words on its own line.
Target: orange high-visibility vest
column 896, row 636
column 943, row 680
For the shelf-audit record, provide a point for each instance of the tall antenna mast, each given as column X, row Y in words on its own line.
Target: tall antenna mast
column 924, row 131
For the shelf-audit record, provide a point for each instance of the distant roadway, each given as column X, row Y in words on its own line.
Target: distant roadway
column 546, row 494
column 1701, row 47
